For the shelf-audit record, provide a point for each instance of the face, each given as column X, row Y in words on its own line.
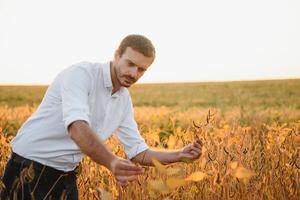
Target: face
column 130, row 66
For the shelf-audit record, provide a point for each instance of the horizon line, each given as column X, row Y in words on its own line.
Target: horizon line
column 171, row 82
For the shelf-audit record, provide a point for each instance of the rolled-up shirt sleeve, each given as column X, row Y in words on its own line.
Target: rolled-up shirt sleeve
column 129, row 135
column 75, row 88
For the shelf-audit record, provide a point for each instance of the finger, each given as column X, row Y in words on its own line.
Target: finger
column 195, row 154
column 196, row 144
column 199, row 141
column 122, row 183
column 188, row 155
column 189, row 147
column 131, row 163
column 129, row 167
column 128, row 173
column 126, row 178
column 198, row 150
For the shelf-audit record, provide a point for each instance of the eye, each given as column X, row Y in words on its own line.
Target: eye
column 130, row 63
column 142, row 69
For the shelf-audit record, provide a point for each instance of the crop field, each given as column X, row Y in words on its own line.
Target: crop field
column 250, row 132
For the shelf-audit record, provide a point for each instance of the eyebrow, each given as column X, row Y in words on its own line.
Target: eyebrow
column 130, row 61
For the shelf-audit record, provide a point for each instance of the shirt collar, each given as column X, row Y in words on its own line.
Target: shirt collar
column 107, row 79
column 107, row 75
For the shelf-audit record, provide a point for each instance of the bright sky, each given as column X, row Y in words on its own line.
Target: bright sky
column 195, row 40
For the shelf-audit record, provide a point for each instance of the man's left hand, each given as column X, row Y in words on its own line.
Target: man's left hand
column 192, row 151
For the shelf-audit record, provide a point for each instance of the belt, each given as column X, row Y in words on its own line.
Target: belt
column 36, row 165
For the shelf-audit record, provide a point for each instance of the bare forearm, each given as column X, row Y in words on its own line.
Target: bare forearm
column 165, row 157
column 90, row 144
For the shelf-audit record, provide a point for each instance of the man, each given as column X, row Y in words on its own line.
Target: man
column 83, row 106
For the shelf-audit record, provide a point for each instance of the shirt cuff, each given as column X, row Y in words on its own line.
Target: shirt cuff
column 69, row 120
column 136, row 149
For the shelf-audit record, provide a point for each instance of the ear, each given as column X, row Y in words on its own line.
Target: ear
column 117, row 55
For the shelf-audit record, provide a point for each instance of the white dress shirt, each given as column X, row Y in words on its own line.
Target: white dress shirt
column 80, row 92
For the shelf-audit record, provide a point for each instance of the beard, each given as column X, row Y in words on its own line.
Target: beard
column 127, row 81
column 124, row 79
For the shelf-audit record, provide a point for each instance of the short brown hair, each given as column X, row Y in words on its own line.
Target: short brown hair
column 139, row 43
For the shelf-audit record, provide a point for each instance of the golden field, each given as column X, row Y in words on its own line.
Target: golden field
column 250, row 131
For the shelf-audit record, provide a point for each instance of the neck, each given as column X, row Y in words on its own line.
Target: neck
column 115, row 83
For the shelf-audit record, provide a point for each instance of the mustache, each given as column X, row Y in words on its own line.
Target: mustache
column 130, row 78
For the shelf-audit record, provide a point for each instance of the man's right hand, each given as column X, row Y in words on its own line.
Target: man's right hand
column 124, row 171
column 89, row 143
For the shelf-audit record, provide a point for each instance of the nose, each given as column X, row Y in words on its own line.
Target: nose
column 133, row 72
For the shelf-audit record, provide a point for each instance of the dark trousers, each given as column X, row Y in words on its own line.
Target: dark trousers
column 27, row 179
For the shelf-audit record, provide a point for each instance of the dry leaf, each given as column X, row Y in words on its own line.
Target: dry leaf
column 173, row 183
column 233, row 165
column 242, row 172
column 171, row 142
column 197, row 176
column 173, row 171
column 160, row 167
column 158, row 185
column 104, row 194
